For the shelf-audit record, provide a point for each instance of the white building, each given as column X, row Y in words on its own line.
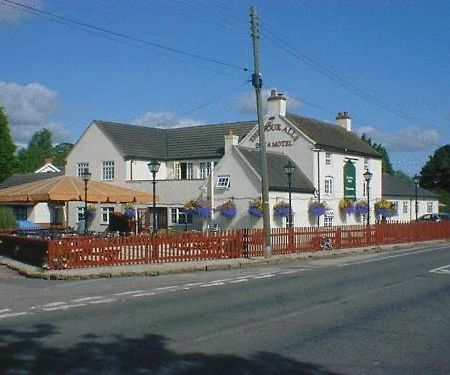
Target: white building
column 220, row 163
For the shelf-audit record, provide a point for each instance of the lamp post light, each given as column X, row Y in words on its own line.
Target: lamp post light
column 289, row 169
column 368, row 176
column 86, row 176
column 416, row 180
column 153, row 166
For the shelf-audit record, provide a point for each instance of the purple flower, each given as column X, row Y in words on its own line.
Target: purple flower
column 350, row 209
column 282, row 211
column 203, row 211
column 361, row 208
column 228, row 212
column 317, row 209
column 254, row 211
column 129, row 212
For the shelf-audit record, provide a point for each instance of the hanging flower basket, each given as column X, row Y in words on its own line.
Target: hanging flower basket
column 228, row 209
column 281, row 209
column 361, row 208
column 385, row 208
column 347, row 206
column 129, row 212
column 256, row 208
column 317, row 208
column 198, row 208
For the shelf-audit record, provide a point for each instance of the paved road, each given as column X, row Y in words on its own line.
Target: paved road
column 369, row 314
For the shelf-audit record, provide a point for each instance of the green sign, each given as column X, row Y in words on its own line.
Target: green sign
column 349, row 180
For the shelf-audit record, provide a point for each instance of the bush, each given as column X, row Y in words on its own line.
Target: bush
column 7, row 219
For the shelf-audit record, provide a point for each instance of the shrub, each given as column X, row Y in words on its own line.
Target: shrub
column 7, row 219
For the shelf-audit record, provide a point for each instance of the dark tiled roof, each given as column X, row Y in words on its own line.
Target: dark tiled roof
column 23, row 178
column 275, row 169
column 331, row 137
column 393, row 186
column 196, row 142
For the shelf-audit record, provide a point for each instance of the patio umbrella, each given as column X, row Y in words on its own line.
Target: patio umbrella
column 69, row 188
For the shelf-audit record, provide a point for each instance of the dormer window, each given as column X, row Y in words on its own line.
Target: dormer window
column 328, row 159
column 223, row 181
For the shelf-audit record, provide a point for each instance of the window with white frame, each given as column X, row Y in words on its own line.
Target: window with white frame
column 223, row 181
column 328, row 159
column 108, row 170
column 328, row 186
column 176, row 171
column 80, row 214
column 178, row 216
column 183, row 171
column 429, row 207
column 328, row 221
column 189, row 171
column 205, row 169
column 106, row 211
column 405, row 207
column 81, row 167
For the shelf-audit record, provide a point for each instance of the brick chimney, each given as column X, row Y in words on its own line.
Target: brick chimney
column 343, row 119
column 231, row 140
column 47, row 160
column 276, row 104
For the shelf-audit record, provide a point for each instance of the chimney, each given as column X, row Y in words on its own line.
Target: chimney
column 231, row 140
column 47, row 160
column 343, row 119
column 276, row 104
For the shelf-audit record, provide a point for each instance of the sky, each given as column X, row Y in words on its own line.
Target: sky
column 172, row 63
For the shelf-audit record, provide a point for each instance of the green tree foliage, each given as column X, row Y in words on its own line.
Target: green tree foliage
column 436, row 172
column 7, row 219
column 385, row 162
column 8, row 161
column 39, row 148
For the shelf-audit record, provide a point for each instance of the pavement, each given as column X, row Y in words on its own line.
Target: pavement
column 195, row 266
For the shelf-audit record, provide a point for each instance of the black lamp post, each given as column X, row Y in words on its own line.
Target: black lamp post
column 368, row 176
column 289, row 169
column 153, row 166
column 86, row 176
column 416, row 180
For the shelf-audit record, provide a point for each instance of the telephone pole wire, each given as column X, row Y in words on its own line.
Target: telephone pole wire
column 257, row 84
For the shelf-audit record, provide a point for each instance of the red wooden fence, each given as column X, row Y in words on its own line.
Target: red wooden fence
column 81, row 252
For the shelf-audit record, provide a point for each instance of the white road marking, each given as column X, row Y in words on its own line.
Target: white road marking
column 106, row 300
column 144, row 294
column 192, row 284
column 63, row 307
column 238, row 281
column 52, row 304
column 12, row 315
column 5, row 310
column 290, row 272
column 211, row 284
column 129, row 292
column 443, row 269
column 264, row 276
column 167, row 288
column 87, row 299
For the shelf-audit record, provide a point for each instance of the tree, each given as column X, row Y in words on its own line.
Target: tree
column 436, row 172
column 8, row 161
column 385, row 162
column 39, row 147
column 60, row 152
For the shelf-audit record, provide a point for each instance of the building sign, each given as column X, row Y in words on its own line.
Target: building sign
column 349, row 180
column 277, row 128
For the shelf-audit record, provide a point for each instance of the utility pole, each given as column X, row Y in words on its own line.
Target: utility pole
column 257, row 84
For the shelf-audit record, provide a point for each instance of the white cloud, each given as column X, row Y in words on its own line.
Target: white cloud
column 164, row 120
column 28, row 108
column 247, row 102
column 10, row 13
column 404, row 140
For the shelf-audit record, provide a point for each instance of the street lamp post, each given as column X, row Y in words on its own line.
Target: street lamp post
column 289, row 169
column 153, row 166
column 416, row 180
column 86, row 176
column 368, row 176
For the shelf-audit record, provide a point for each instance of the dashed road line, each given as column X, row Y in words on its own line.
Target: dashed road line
column 211, row 284
column 5, row 311
column 63, row 307
column 238, row 281
column 13, row 315
column 143, row 294
column 442, row 270
column 106, row 300
column 129, row 292
column 88, row 299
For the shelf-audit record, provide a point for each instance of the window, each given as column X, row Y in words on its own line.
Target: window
column 81, row 168
column 20, row 212
column 429, row 207
column 183, row 171
column 328, row 185
column 80, row 214
column 223, row 182
column 328, row 221
column 328, row 159
column 106, row 211
column 205, row 169
column 107, row 170
column 405, row 207
column 179, row 217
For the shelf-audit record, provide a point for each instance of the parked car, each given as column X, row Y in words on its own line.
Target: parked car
column 429, row 217
column 435, row 217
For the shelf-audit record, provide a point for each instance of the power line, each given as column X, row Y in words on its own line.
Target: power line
column 69, row 21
